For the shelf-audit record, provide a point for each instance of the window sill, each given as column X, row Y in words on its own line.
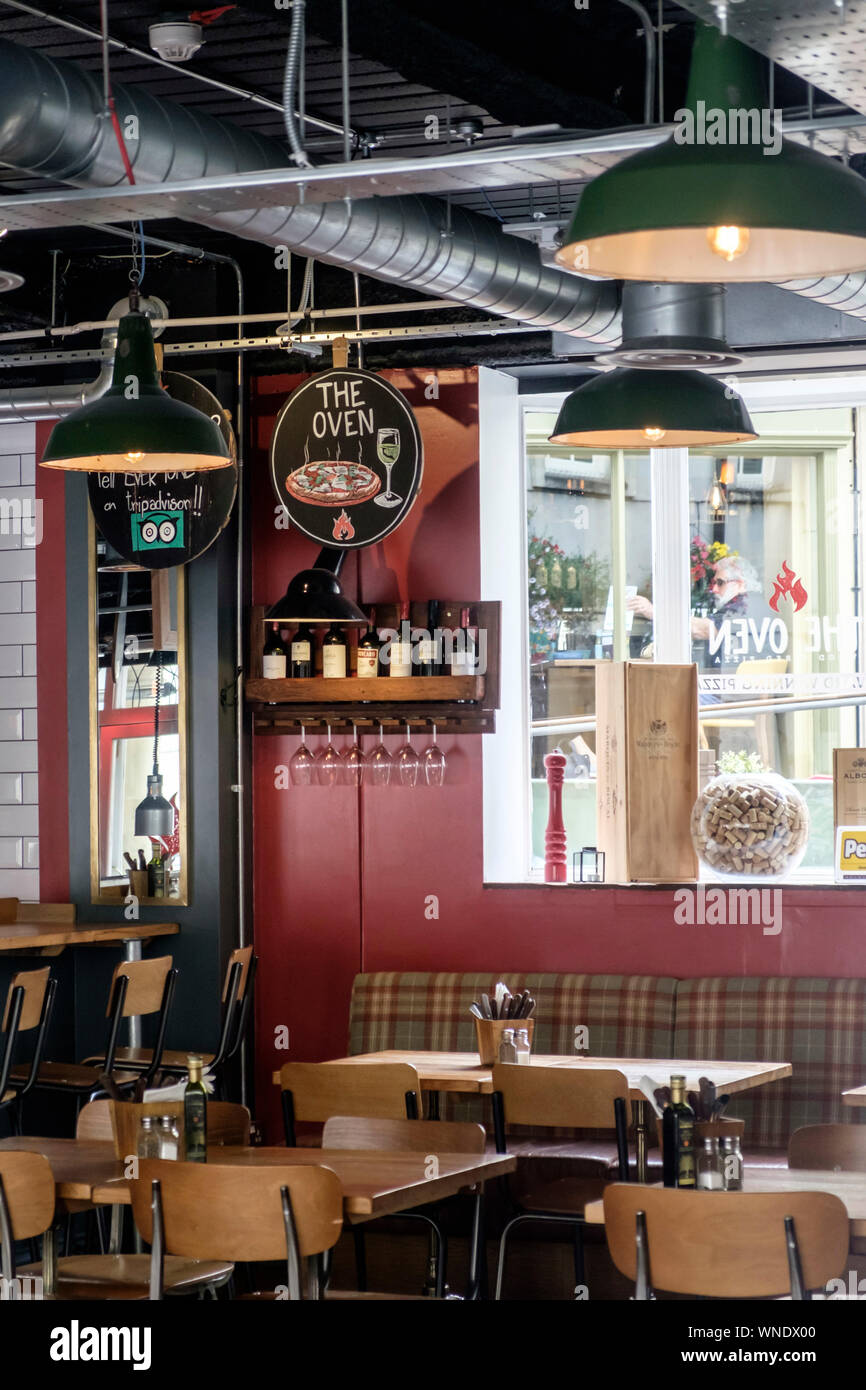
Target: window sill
column 813, row 879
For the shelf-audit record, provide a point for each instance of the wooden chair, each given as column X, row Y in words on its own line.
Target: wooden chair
column 29, row 1004
column 416, row 1136
column 552, row 1097
column 215, row 1211
column 840, row 1147
column 725, row 1244
column 236, row 1002
column 139, row 988
column 314, row 1091
column 27, row 1211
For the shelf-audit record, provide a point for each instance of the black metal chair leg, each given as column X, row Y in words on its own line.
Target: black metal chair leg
column 579, row 1265
column 360, row 1258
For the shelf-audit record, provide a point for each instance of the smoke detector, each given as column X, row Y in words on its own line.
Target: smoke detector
column 176, row 40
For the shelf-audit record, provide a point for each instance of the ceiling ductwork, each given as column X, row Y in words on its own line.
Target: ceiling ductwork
column 52, row 124
column 29, row 403
column 672, row 327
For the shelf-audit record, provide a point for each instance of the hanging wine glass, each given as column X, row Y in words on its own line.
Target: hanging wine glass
column 329, row 765
column 407, row 762
column 354, row 761
column 433, row 760
column 379, row 763
column 301, row 765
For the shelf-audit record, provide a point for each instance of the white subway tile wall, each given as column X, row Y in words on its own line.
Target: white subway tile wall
column 19, row 794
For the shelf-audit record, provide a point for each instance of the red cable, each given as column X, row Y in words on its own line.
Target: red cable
column 120, row 141
column 208, row 16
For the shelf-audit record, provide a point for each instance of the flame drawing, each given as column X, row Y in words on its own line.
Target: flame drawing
column 787, row 585
column 343, row 528
column 307, row 449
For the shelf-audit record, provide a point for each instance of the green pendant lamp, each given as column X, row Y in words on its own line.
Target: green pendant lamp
column 634, row 409
column 721, row 211
column 136, row 426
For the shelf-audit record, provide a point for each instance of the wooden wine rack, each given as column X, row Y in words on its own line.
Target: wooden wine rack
column 455, row 704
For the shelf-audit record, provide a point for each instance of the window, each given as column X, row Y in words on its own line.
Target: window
column 773, row 617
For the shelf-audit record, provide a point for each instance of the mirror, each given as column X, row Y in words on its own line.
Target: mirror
column 137, row 725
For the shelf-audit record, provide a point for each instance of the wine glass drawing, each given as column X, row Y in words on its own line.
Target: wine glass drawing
column 354, row 761
column 301, row 765
column 379, row 763
column 434, row 762
column 388, row 451
column 407, row 762
column 329, row 765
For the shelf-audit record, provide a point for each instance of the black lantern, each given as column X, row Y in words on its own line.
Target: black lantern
column 589, row 865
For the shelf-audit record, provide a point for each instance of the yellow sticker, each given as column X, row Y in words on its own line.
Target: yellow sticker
column 851, row 851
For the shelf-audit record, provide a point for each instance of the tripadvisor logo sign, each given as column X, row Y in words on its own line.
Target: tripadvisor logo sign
column 736, row 126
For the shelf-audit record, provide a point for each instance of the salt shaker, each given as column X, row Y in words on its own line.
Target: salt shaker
column 522, row 1045
column 732, row 1164
column 507, row 1046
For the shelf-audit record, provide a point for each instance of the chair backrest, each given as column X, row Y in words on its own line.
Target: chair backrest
column 226, row 1123
column 34, row 984
column 560, row 1096
column 8, row 909
column 94, row 1121
column 57, row 913
column 28, row 1187
column 220, row 1211
column 145, row 986
column 242, row 957
column 315, row 1091
column 726, row 1244
column 413, row 1136
column 842, row 1147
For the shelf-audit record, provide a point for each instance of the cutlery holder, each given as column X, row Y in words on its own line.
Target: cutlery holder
column 489, row 1033
column 711, row 1129
column 138, row 882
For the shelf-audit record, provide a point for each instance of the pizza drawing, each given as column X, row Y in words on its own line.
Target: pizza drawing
column 327, row 484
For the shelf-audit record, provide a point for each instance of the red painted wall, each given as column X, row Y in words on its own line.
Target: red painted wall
column 341, row 876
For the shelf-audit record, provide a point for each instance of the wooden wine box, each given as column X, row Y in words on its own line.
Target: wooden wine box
column 849, row 786
column 647, row 750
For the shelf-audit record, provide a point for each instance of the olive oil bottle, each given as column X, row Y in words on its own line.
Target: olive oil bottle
column 195, row 1114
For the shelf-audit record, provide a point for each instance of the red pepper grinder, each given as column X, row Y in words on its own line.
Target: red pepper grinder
column 555, row 857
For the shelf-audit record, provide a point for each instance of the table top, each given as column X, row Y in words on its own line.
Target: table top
column 850, row 1188
column 374, row 1183
column 21, row 936
column 856, row 1096
column 461, row 1071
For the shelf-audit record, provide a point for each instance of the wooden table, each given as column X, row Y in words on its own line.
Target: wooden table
column 850, row 1188
column 856, row 1096
column 462, row 1072
column 49, row 938
column 374, row 1184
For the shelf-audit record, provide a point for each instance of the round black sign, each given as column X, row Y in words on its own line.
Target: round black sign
column 346, row 458
column 158, row 520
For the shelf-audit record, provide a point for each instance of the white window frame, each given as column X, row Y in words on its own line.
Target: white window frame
column 502, row 505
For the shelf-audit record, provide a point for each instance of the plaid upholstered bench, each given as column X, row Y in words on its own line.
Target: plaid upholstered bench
column 819, row 1025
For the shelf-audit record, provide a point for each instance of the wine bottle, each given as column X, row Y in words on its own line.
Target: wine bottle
column 302, row 654
column 368, row 649
column 195, row 1114
column 429, row 649
column 274, row 656
column 685, row 1115
column 156, row 874
column 401, row 647
column 462, row 659
column 335, row 653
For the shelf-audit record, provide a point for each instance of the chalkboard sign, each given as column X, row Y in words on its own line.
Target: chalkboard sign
column 158, row 520
column 346, row 458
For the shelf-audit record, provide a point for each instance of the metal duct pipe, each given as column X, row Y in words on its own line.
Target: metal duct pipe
column 52, row 123
column 28, row 403
column 847, row 293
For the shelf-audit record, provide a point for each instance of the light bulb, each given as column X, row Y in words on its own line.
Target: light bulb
column 728, row 242
column 133, row 457
column 654, row 434
column 716, row 498
column 3, row 231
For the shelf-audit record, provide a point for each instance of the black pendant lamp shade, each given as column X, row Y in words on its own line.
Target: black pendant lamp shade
column 634, row 409
column 154, row 816
column 750, row 207
column 136, row 426
column 315, row 596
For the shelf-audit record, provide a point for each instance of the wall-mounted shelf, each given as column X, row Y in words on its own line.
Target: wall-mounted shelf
column 455, row 704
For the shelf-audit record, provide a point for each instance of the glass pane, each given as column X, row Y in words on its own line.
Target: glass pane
column 568, row 514
column 775, row 606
